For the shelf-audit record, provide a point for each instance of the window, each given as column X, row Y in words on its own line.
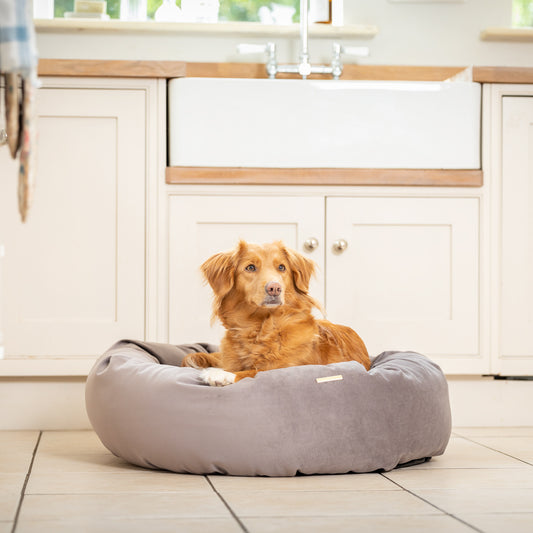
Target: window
column 249, row 10
column 230, row 10
column 522, row 13
column 63, row 6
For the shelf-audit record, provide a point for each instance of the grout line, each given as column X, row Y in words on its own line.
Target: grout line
column 496, row 450
column 433, row 505
column 232, row 512
column 23, row 491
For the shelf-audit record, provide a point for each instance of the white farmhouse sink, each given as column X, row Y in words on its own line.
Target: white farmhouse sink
column 326, row 123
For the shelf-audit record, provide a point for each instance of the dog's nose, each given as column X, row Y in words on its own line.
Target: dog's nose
column 273, row 288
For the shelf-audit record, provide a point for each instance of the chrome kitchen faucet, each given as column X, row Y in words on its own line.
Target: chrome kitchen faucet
column 304, row 68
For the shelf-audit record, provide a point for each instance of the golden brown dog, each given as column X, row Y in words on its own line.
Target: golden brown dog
column 261, row 299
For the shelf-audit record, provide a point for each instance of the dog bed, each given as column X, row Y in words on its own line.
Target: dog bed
column 307, row 419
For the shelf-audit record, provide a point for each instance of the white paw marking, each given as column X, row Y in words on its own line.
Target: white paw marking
column 217, row 377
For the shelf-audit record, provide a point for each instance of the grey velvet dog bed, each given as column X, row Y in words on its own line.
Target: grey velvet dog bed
column 150, row 411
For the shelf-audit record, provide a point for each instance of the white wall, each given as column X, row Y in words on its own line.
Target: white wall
column 412, row 33
column 441, row 33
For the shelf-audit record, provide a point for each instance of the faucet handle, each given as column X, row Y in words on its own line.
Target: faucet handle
column 268, row 48
column 359, row 51
column 246, row 48
column 338, row 50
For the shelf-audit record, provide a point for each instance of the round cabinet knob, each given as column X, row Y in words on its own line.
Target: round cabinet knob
column 340, row 245
column 311, row 244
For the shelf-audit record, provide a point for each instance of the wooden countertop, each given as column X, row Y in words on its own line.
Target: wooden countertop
column 111, row 68
column 178, row 69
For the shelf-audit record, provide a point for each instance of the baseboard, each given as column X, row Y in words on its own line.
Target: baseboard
column 43, row 403
column 59, row 403
column 484, row 401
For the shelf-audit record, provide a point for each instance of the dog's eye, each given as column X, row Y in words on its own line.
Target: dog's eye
column 250, row 268
column 282, row 268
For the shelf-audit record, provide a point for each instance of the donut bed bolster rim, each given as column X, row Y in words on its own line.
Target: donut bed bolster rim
column 156, row 414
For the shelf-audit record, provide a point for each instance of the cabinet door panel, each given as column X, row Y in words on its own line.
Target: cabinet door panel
column 202, row 226
column 409, row 277
column 517, row 237
column 75, row 271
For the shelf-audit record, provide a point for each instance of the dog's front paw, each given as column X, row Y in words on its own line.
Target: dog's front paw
column 217, row 377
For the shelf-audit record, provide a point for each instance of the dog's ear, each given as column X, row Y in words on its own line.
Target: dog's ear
column 219, row 271
column 302, row 270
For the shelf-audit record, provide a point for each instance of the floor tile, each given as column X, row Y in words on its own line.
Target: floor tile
column 78, row 485
column 16, row 451
column 518, row 447
column 494, row 432
column 313, row 483
column 362, row 524
column 478, row 501
column 125, row 525
column 10, row 491
column 330, row 503
column 12, row 482
column 20, row 441
column 71, row 442
column 77, row 507
column 9, row 500
column 108, row 483
column 103, row 462
column 463, row 453
column 496, row 523
column 15, row 462
column 463, row 478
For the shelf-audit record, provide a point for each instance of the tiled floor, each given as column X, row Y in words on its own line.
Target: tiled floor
column 59, row 482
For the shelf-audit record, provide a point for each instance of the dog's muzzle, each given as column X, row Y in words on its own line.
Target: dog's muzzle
column 271, row 301
column 273, row 292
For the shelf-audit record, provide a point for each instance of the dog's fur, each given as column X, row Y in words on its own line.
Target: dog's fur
column 261, row 298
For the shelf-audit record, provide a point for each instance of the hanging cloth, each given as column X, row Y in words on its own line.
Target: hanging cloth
column 18, row 64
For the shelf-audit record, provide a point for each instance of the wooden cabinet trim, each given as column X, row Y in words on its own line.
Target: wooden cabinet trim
column 323, row 176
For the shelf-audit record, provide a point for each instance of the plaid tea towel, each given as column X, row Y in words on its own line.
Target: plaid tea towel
column 17, row 38
column 18, row 65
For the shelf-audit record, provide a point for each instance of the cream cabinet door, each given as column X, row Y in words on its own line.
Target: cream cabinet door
column 200, row 226
column 74, row 273
column 409, row 277
column 516, row 349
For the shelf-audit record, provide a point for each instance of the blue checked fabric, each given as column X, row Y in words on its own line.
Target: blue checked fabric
column 17, row 37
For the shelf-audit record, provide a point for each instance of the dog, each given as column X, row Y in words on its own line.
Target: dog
column 261, row 297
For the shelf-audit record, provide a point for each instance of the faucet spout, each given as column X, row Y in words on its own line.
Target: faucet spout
column 305, row 66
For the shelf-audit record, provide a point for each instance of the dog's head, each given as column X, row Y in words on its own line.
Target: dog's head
column 267, row 276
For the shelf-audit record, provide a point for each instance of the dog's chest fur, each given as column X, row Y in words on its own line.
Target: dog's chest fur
column 265, row 345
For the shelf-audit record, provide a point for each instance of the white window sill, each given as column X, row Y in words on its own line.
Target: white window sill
column 524, row 35
column 187, row 28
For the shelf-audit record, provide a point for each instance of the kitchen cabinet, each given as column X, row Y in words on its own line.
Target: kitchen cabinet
column 407, row 278
column 75, row 273
column 200, row 226
column 515, row 355
column 507, row 148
